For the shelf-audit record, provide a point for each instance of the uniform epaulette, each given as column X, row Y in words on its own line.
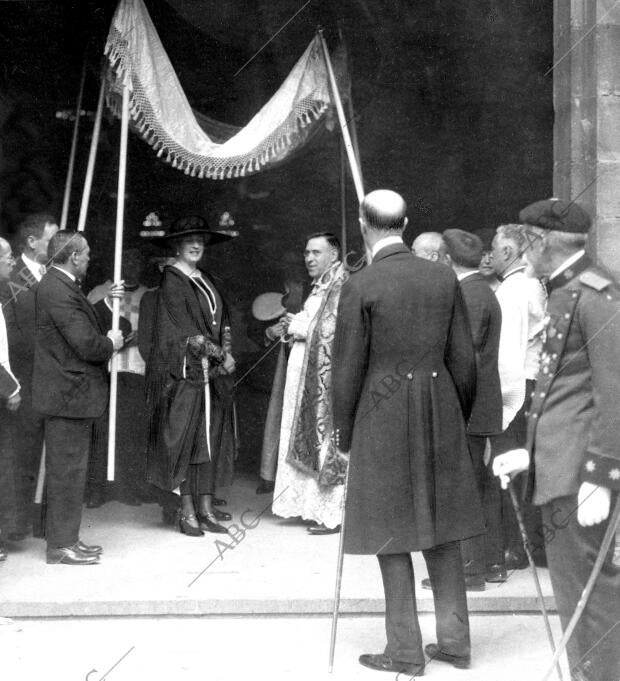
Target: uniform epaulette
column 595, row 280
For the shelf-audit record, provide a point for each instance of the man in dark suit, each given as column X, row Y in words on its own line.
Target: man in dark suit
column 573, row 431
column 464, row 253
column 10, row 396
column 404, row 381
column 70, row 389
column 17, row 296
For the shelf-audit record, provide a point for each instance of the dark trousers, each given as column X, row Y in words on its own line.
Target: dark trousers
column 67, row 443
column 199, row 480
column 445, row 569
column 7, row 477
column 594, row 648
column 27, row 426
column 512, row 438
column 487, row 549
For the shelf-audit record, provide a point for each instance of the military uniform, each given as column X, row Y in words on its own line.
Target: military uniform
column 574, row 437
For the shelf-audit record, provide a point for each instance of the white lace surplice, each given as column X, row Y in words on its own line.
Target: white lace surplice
column 296, row 493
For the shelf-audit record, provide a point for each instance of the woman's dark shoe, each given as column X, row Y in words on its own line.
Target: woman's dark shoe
column 221, row 515
column 186, row 528
column 209, row 523
column 219, row 502
column 3, row 554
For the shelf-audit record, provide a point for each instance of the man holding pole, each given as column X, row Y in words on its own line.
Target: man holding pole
column 573, row 452
column 70, row 390
column 404, row 380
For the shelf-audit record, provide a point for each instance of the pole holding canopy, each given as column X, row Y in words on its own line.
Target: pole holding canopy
column 118, row 254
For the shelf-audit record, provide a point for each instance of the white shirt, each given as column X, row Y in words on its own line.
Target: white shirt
column 4, row 352
column 386, row 241
column 34, row 267
column 462, row 275
column 567, row 263
column 64, row 271
column 522, row 301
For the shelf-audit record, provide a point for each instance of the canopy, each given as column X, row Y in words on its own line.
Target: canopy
column 163, row 116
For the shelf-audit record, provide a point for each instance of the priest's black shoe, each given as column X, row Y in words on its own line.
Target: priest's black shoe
column 88, row 550
column 70, row 556
column 321, row 529
column 515, row 560
column 496, row 573
column 265, row 486
column 219, row 502
column 384, row 663
column 221, row 515
column 436, row 653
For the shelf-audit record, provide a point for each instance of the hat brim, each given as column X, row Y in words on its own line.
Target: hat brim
column 210, row 236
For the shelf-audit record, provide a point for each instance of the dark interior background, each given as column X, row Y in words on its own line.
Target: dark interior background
column 453, row 110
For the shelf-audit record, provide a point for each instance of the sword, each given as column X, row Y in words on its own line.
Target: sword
column 205, row 373
column 528, row 553
column 585, row 595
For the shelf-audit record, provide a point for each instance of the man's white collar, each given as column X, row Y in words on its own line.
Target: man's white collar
column 386, row 241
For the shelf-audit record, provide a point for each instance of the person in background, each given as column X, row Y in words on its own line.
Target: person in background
column 463, row 253
column 17, row 295
column 430, row 246
column 10, row 395
column 522, row 300
column 486, row 268
column 310, row 476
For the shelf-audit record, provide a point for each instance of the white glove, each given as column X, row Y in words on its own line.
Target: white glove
column 507, row 465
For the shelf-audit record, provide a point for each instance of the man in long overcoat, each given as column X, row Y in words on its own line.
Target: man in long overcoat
column 573, row 431
column 404, row 382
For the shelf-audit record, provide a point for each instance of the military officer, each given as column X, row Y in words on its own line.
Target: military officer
column 573, row 442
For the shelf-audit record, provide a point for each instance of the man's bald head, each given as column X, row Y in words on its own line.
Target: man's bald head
column 430, row 246
column 384, row 211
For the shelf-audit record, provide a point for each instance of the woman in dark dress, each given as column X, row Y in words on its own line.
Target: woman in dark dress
column 190, row 384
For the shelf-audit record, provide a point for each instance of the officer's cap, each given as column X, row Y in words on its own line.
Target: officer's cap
column 556, row 215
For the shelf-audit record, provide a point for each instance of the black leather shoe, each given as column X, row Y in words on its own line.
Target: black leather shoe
column 221, row 515
column 219, row 502
column 472, row 583
column 3, row 554
column 265, row 486
column 69, row 556
column 515, row 560
column 96, row 498
column 384, row 663
column 434, row 652
column 496, row 573
column 208, row 523
column 321, row 529
column 88, row 550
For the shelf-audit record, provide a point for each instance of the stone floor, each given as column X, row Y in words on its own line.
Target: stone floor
column 274, row 568
column 505, row 647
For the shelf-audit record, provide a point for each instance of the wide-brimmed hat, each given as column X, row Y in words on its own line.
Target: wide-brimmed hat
column 194, row 224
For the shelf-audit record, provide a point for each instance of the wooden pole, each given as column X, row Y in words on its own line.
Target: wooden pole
column 339, row 563
column 90, row 169
column 76, row 126
column 118, row 255
column 355, row 171
column 343, row 200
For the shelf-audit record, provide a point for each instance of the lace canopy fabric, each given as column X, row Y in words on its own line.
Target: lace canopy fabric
column 162, row 115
